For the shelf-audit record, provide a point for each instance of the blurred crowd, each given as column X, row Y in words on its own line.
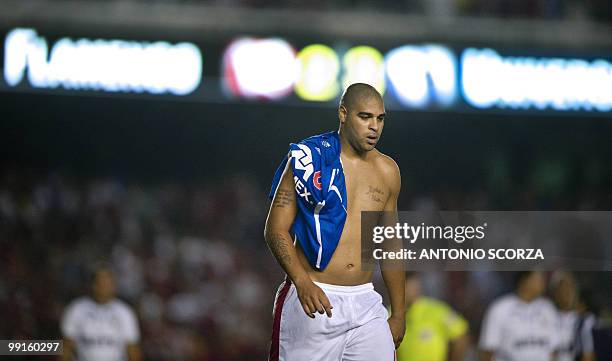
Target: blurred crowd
column 599, row 10
column 188, row 257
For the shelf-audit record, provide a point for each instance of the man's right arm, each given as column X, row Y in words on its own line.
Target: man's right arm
column 69, row 327
column 278, row 224
column 491, row 335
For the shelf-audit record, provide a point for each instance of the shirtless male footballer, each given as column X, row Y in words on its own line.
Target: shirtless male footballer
column 327, row 308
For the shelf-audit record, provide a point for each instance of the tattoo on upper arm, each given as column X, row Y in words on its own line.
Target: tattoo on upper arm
column 284, row 197
column 279, row 245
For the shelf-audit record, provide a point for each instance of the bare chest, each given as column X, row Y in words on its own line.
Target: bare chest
column 366, row 190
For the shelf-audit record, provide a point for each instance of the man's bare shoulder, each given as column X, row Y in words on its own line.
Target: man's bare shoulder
column 386, row 165
column 388, row 168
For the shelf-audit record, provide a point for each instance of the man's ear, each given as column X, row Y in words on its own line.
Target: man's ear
column 342, row 112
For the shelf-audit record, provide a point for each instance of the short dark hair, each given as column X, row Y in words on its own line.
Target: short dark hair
column 520, row 276
column 356, row 92
column 97, row 267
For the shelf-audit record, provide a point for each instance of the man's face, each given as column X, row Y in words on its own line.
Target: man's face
column 565, row 294
column 103, row 286
column 363, row 122
column 536, row 283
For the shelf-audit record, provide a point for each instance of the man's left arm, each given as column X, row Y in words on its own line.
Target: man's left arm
column 134, row 352
column 132, row 335
column 394, row 275
column 456, row 328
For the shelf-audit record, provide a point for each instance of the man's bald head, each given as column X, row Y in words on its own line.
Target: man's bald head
column 358, row 92
column 361, row 114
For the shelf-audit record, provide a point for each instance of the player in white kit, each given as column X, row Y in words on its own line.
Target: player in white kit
column 100, row 327
column 521, row 326
column 575, row 328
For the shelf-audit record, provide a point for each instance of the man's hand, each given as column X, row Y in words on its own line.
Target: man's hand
column 398, row 328
column 312, row 298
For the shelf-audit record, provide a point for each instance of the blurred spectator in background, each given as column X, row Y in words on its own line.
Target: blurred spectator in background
column 100, row 327
column 521, row 326
column 434, row 332
column 575, row 326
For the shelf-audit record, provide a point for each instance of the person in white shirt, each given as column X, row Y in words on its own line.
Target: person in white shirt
column 521, row 326
column 575, row 328
column 100, row 327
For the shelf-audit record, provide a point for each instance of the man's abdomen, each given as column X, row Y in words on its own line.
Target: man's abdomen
column 345, row 266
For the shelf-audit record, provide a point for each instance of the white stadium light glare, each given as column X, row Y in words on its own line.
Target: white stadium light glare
column 421, row 75
column 491, row 80
column 102, row 65
column 260, row 68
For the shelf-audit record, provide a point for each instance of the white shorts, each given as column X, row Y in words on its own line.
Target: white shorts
column 357, row 331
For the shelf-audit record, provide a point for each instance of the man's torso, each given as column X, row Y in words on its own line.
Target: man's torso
column 99, row 330
column 367, row 190
column 528, row 329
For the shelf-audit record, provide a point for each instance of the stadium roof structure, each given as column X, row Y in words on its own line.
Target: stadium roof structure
column 200, row 20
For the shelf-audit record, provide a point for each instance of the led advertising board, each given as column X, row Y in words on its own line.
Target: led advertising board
column 273, row 69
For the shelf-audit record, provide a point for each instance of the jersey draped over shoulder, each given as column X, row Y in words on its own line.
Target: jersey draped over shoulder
column 320, row 194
